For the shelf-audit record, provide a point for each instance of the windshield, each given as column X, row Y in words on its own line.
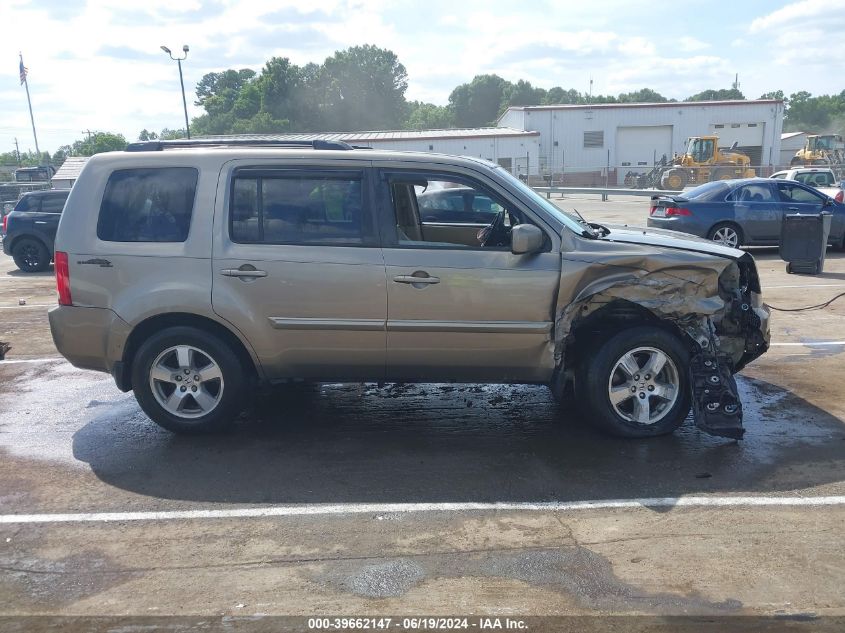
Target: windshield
column 570, row 220
column 823, row 143
column 709, row 191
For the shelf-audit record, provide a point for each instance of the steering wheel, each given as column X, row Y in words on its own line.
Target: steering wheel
column 495, row 233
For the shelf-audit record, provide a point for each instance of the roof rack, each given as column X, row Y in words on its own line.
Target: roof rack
column 157, row 146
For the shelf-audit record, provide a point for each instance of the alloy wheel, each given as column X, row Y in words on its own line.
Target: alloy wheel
column 727, row 236
column 186, row 381
column 644, row 385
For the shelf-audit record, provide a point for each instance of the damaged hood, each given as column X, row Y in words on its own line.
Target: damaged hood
column 669, row 239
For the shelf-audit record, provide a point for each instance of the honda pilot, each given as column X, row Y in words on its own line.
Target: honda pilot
column 193, row 271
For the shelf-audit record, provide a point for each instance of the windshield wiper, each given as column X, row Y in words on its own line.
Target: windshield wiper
column 601, row 228
column 589, row 230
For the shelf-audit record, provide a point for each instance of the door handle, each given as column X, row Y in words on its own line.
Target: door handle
column 40, row 222
column 792, row 209
column 412, row 279
column 246, row 274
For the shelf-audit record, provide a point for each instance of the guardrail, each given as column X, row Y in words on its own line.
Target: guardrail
column 605, row 191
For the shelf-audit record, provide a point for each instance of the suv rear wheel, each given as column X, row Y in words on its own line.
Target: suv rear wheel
column 30, row 255
column 188, row 380
column 636, row 385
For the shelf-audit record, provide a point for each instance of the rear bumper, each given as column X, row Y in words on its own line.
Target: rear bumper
column 89, row 338
column 678, row 223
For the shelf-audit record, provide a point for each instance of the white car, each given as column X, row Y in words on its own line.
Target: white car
column 821, row 178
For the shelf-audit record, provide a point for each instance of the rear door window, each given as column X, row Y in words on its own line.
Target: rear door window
column 757, row 192
column 148, row 205
column 300, row 208
column 53, row 204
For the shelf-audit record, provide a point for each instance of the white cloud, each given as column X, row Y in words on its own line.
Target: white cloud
column 688, row 44
column 797, row 12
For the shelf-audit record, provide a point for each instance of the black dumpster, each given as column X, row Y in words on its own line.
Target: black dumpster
column 803, row 242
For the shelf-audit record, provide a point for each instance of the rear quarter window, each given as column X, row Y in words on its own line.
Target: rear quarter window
column 710, row 191
column 27, row 203
column 148, row 205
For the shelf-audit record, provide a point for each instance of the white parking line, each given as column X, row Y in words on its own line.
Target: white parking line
column 805, row 286
column 28, row 305
column 408, row 508
column 814, row 344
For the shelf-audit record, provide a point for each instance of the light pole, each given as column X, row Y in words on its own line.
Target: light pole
column 178, row 60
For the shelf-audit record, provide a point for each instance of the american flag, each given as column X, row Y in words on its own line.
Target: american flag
column 24, row 70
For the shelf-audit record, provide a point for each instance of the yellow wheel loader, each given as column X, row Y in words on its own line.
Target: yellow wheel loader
column 704, row 161
column 820, row 149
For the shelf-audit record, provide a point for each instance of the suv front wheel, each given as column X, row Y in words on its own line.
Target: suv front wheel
column 188, row 380
column 636, row 384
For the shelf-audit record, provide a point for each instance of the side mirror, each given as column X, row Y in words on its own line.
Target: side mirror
column 526, row 238
column 828, row 202
column 842, row 184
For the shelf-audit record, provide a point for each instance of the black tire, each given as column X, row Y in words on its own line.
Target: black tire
column 711, row 234
column 30, row 255
column 671, row 174
column 722, row 174
column 597, row 370
column 233, row 381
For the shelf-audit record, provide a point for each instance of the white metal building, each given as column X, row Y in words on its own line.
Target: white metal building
column 579, row 144
column 791, row 142
column 69, row 172
column 516, row 150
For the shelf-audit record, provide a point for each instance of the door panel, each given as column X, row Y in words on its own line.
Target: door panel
column 758, row 211
column 318, row 312
column 310, row 310
column 489, row 317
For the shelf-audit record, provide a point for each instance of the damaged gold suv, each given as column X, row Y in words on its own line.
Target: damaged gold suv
column 194, row 270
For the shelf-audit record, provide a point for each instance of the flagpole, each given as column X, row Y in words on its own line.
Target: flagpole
column 31, row 117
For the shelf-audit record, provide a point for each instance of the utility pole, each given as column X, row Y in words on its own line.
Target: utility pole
column 17, row 152
column 24, row 81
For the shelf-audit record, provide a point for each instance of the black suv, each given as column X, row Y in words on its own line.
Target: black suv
column 30, row 228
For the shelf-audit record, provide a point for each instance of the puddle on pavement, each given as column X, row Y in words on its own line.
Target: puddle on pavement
column 574, row 571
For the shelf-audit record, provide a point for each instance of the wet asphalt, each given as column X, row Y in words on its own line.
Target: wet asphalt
column 71, row 442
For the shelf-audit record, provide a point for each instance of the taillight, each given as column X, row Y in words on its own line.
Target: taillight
column 62, row 278
column 652, row 210
column 5, row 222
column 678, row 211
column 839, row 197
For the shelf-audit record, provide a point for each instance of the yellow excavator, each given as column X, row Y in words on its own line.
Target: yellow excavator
column 820, row 149
column 704, row 161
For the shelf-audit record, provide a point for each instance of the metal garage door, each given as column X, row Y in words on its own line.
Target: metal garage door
column 748, row 136
column 637, row 146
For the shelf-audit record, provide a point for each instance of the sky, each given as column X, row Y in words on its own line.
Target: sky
column 97, row 65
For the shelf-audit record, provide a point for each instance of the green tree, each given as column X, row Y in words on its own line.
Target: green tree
column 363, row 88
column 216, row 92
column 724, row 94
column 558, row 95
column 427, row 116
column 522, row 93
column 644, row 95
column 477, row 103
